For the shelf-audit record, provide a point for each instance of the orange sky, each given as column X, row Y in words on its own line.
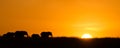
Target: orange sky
column 100, row 18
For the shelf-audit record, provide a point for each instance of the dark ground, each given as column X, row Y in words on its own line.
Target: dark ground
column 59, row 42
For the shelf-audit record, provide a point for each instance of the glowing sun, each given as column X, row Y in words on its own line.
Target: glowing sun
column 86, row 36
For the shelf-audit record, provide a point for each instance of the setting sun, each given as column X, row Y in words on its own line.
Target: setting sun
column 86, row 36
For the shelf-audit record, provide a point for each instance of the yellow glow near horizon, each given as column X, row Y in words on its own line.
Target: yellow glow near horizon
column 86, row 36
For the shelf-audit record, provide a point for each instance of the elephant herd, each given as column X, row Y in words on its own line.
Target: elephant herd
column 23, row 34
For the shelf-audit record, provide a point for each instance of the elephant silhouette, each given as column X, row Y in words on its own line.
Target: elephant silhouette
column 46, row 34
column 21, row 34
column 9, row 35
column 35, row 36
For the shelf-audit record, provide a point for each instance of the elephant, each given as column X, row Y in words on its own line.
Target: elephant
column 9, row 35
column 21, row 34
column 46, row 34
column 35, row 36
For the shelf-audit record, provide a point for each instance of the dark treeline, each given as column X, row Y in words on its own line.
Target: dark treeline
column 20, row 39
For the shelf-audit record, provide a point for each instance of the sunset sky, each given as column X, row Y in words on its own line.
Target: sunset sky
column 70, row 18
